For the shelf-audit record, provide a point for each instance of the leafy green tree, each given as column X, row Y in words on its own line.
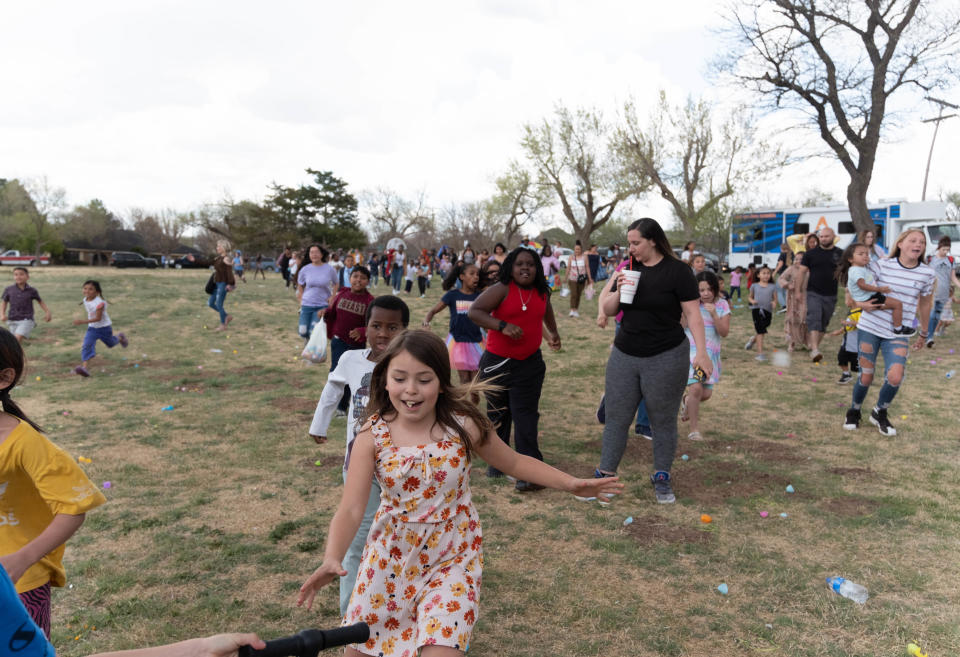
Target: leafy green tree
column 33, row 232
column 16, row 207
column 91, row 226
column 323, row 212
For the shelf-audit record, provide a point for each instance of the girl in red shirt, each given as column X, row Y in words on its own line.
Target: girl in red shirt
column 515, row 311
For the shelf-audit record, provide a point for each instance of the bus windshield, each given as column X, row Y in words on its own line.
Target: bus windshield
column 944, row 230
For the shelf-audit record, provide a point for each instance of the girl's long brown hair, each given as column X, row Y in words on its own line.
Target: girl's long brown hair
column 453, row 400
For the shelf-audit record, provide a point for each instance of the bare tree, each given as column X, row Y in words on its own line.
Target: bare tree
column 391, row 215
column 517, row 201
column 161, row 232
column 693, row 160
column 472, row 222
column 838, row 63
column 570, row 155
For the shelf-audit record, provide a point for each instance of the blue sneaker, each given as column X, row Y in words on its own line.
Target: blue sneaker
column 661, row 486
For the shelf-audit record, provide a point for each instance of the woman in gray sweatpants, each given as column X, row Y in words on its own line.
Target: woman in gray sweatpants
column 651, row 353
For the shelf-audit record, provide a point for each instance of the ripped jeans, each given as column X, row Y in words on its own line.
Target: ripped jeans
column 894, row 352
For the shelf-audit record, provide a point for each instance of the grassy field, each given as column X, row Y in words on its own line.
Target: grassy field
column 218, row 510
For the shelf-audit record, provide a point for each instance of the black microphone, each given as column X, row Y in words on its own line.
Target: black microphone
column 307, row 643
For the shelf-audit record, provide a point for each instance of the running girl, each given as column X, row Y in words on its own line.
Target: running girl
column 465, row 340
column 43, row 496
column 762, row 296
column 716, row 324
column 98, row 324
column 515, row 311
column 423, row 560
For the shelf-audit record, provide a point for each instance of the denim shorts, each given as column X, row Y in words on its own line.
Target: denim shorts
column 308, row 319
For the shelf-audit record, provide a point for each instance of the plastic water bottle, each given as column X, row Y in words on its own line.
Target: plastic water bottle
column 951, row 374
column 848, row 589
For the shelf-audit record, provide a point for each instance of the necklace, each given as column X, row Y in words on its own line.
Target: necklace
column 523, row 304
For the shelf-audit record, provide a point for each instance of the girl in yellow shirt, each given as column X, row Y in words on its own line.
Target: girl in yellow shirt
column 43, row 496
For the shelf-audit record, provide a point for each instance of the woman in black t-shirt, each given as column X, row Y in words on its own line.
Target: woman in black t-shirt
column 651, row 353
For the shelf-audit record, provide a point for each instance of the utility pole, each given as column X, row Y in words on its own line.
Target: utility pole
column 936, row 121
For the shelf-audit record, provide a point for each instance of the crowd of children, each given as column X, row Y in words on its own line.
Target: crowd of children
column 405, row 542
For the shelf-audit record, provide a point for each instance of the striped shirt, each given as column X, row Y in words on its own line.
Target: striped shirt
column 907, row 285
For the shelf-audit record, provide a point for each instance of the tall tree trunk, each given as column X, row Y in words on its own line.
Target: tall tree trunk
column 857, row 202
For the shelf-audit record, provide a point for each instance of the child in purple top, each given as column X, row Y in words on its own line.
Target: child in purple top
column 20, row 297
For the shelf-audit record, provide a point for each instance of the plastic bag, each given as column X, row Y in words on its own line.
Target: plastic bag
column 565, row 292
column 589, row 292
column 316, row 349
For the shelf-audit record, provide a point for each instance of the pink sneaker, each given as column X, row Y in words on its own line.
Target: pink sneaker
column 123, row 340
column 81, row 370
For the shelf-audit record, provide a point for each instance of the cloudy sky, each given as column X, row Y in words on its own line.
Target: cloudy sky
column 175, row 104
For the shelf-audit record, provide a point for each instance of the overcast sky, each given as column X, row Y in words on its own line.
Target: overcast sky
column 175, row 104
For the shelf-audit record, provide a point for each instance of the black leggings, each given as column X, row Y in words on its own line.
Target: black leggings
column 518, row 400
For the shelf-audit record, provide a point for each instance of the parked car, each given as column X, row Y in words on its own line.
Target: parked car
column 131, row 259
column 191, row 261
column 563, row 255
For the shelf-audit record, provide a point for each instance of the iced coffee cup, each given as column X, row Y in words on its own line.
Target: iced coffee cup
column 629, row 287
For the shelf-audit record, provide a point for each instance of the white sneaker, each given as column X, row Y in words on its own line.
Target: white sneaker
column 816, row 356
column 750, row 342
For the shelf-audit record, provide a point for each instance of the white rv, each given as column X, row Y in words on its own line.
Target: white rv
column 756, row 236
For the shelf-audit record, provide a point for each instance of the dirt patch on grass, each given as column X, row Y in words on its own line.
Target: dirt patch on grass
column 769, row 451
column 650, row 530
column 323, row 463
column 707, row 482
column 638, row 449
column 294, row 403
column 849, row 507
column 575, row 468
column 853, row 473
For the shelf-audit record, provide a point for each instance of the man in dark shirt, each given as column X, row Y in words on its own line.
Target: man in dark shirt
column 822, row 288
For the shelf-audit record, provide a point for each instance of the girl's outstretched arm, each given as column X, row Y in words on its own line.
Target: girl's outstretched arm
column 433, row 311
column 60, row 529
column 497, row 454
column 346, row 520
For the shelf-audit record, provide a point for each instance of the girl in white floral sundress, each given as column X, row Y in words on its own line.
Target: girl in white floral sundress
column 420, row 573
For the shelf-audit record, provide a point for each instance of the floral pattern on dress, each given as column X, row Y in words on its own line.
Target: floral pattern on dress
column 713, row 341
column 420, row 572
